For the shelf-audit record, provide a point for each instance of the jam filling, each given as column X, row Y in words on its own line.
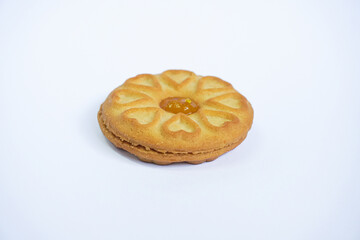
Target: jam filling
column 179, row 105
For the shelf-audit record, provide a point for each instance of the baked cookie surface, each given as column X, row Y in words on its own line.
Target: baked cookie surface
column 175, row 116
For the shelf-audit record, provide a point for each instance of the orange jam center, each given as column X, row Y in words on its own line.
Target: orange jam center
column 179, row 105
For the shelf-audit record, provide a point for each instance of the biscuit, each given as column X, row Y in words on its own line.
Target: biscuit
column 175, row 116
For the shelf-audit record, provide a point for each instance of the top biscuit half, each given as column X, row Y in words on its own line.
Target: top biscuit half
column 177, row 111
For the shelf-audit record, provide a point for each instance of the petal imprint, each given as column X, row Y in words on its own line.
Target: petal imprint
column 228, row 102
column 218, row 119
column 181, row 126
column 143, row 82
column 142, row 116
column 212, row 84
column 127, row 97
column 178, row 78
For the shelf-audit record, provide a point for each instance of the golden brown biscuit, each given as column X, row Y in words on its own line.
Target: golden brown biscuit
column 175, row 116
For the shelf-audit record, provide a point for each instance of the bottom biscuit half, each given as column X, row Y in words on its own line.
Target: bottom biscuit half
column 153, row 156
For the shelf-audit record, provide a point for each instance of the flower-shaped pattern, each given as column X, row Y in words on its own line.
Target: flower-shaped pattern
column 220, row 104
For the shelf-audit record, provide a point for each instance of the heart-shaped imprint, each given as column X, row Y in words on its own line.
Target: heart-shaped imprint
column 218, row 119
column 142, row 116
column 178, row 78
column 213, row 83
column 127, row 97
column 181, row 126
column 229, row 102
column 146, row 81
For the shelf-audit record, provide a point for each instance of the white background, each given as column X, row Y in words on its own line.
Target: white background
column 296, row 176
